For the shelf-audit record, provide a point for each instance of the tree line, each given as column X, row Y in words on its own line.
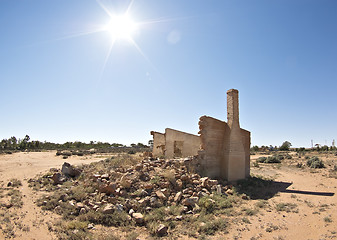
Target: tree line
column 25, row 143
column 286, row 147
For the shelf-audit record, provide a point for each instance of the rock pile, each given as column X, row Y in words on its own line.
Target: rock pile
column 135, row 190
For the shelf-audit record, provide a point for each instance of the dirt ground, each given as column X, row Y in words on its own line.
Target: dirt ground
column 312, row 191
column 23, row 166
column 304, row 205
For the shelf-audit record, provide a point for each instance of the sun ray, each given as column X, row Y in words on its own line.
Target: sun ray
column 104, row 8
column 129, row 7
column 145, row 57
column 107, row 57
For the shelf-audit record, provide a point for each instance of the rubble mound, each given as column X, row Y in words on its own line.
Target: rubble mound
column 154, row 193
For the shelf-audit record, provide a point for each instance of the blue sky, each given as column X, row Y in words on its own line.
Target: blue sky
column 60, row 84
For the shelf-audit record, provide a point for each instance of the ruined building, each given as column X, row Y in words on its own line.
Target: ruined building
column 175, row 143
column 223, row 149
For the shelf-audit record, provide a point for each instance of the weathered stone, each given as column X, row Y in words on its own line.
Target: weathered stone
column 162, row 230
column 131, row 211
column 179, row 184
column 138, row 217
column 58, row 209
column 204, row 181
column 83, row 211
column 119, row 207
column 57, row 178
column 109, row 209
column 79, row 205
column 218, row 189
column 138, row 167
column 178, row 196
column 244, row 197
column 148, row 186
column 161, row 195
column 69, row 170
column 229, row 192
column 105, row 176
column 125, row 182
column 190, row 201
column 107, row 188
column 166, row 191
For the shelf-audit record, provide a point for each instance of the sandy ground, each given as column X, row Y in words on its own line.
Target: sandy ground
column 24, row 166
column 313, row 192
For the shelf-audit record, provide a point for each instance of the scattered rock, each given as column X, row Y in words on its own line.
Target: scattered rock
column 229, row 191
column 162, row 230
column 139, row 218
column 190, row 201
column 178, row 196
column 161, row 195
column 109, row 209
column 107, row 188
column 57, row 178
column 69, row 170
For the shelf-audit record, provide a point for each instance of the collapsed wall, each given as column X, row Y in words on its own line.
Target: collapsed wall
column 158, row 144
column 174, row 143
column 222, row 149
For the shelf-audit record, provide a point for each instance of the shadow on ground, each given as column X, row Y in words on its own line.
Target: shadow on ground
column 259, row 188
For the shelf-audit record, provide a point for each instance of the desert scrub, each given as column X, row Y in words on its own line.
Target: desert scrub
column 250, row 211
column 211, row 226
column 286, row 207
column 115, row 219
column 270, row 159
column 327, row 219
column 261, row 204
column 15, row 198
column 73, row 230
column 216, row 203
column 256, row 164
column 14, row 183
column 315, row 162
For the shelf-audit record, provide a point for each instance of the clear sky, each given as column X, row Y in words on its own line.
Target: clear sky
column 65, row 77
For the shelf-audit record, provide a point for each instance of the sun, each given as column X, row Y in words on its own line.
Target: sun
column 121, row 27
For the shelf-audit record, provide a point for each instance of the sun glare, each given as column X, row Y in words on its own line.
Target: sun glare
column 121, row 27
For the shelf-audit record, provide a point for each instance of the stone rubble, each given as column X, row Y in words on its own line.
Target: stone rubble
column 136, row 190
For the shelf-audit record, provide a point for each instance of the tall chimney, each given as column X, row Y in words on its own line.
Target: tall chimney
column 233, row 108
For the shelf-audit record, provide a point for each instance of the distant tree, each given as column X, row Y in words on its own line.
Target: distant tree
column 325, row 148
column 150, row 143
column 255, row 148
column 141, row 145
column 285, row 146
column 24, row 143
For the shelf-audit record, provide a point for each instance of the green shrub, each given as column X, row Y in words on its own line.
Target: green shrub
column 315, row 162
column 270, row 159
column 261, row 160
column 210, row 227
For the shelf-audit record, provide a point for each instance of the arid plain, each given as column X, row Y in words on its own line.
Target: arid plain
column 292, row 201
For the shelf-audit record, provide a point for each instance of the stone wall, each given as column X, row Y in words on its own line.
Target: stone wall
column 158, row 144
column 175, row 143
column 180, row 144
column 225, row 147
